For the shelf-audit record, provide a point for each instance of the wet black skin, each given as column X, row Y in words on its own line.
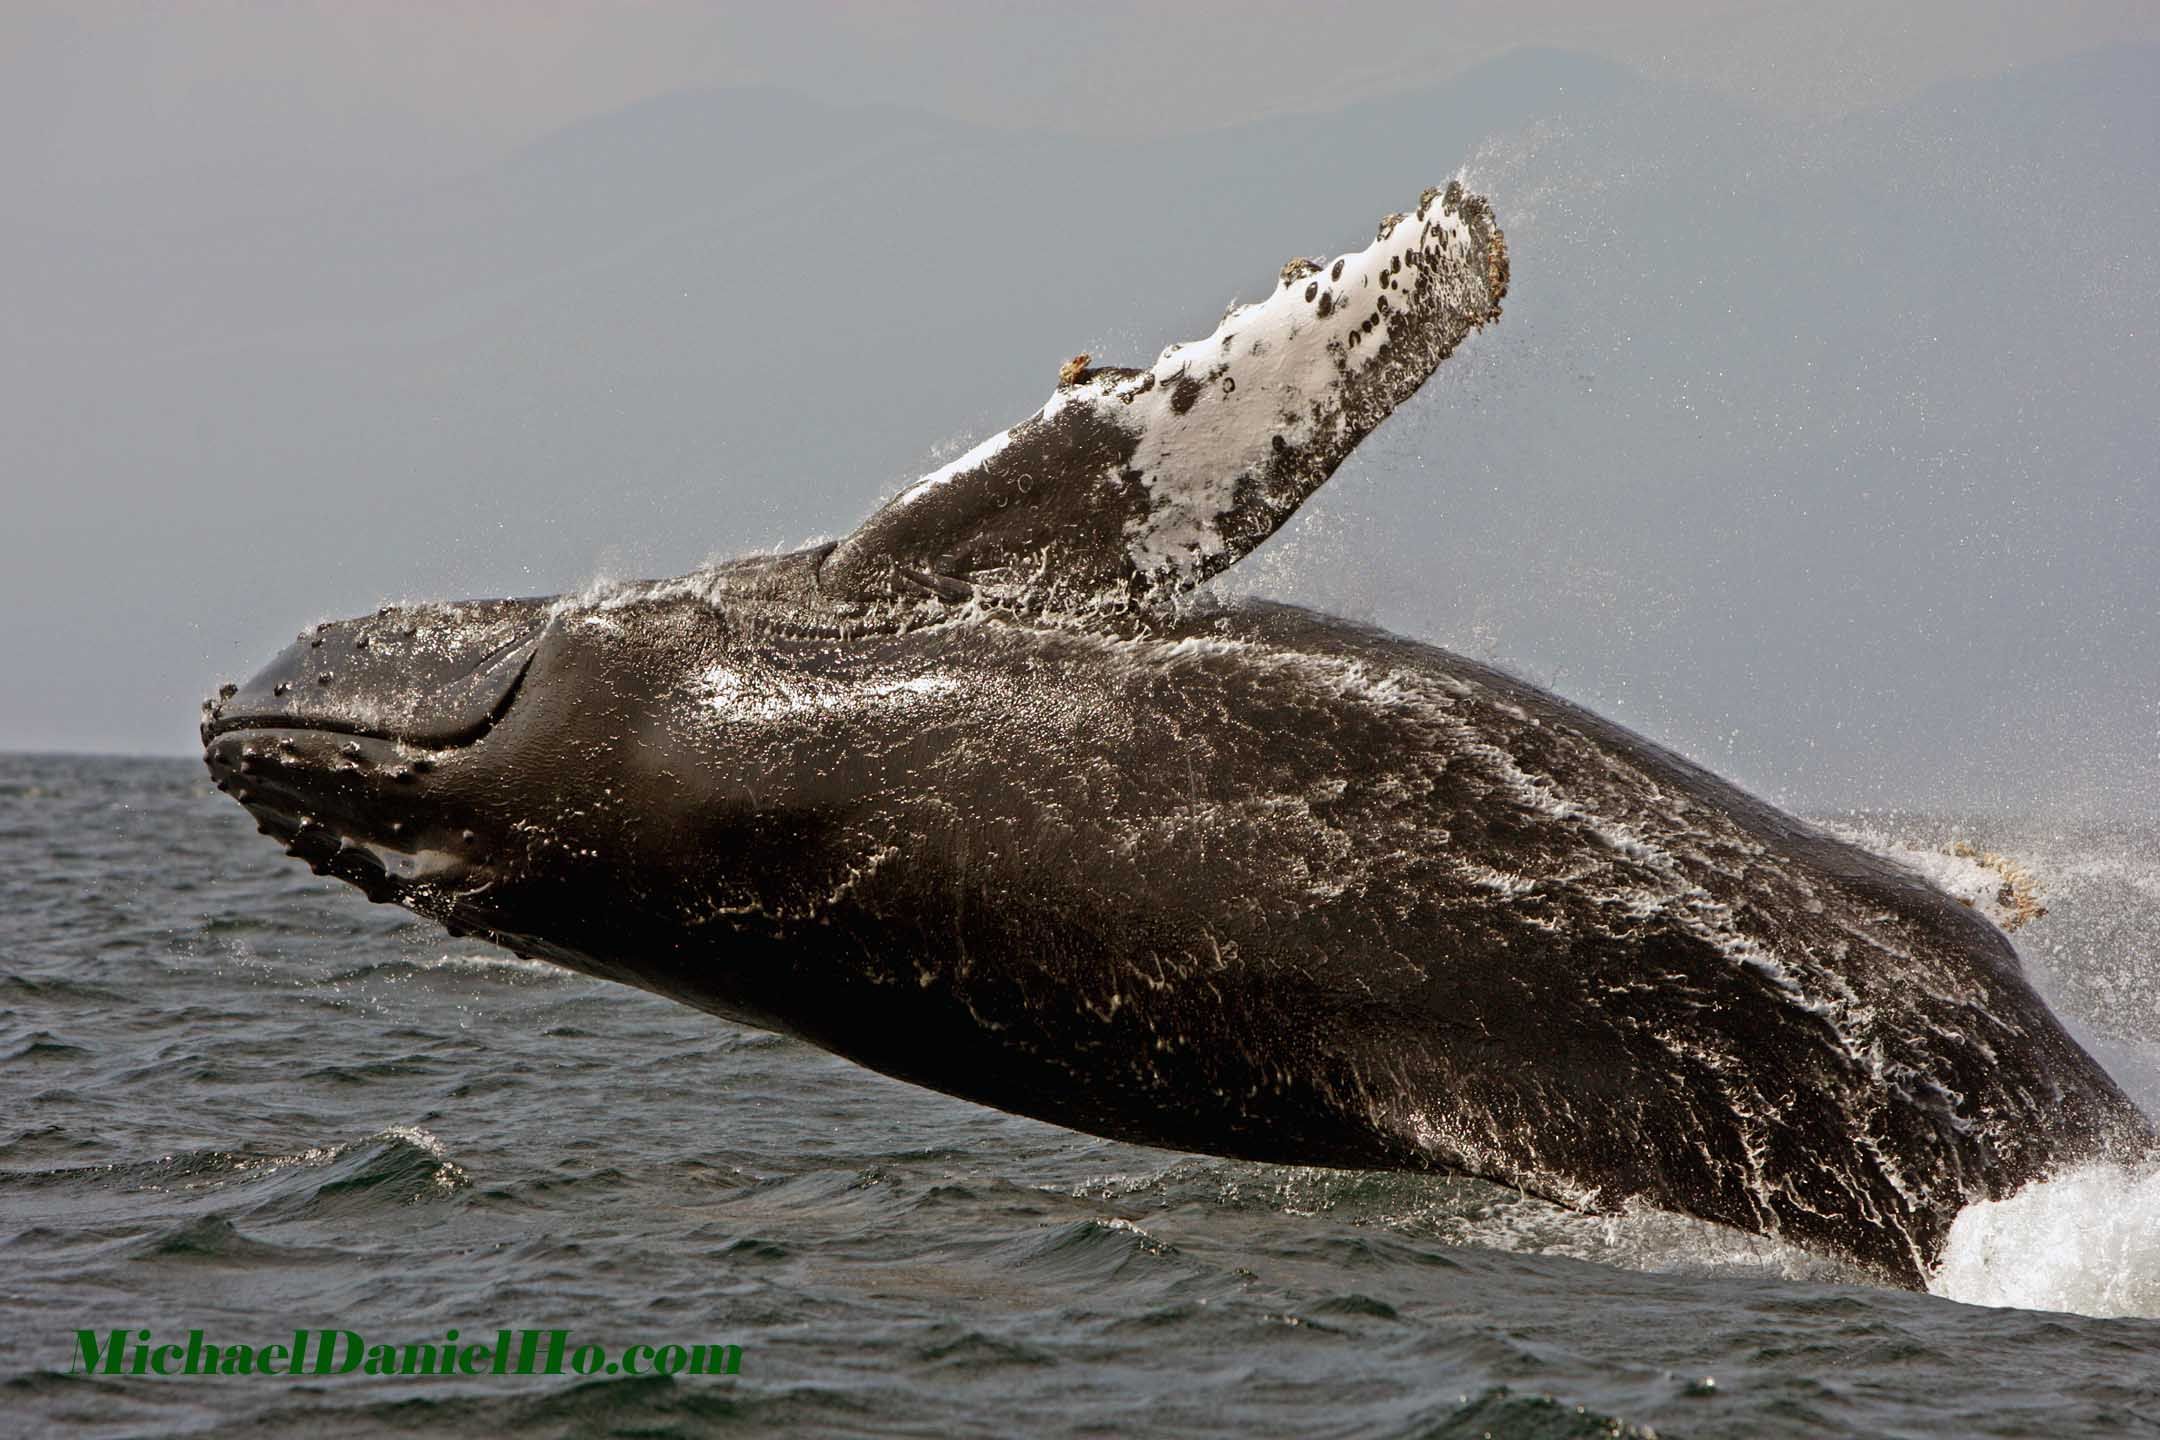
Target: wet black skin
column 1205, row 881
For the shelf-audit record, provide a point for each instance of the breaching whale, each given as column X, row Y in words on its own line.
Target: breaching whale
column 990, row 797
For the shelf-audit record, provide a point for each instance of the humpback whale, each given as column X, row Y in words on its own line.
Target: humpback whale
column 992, row 796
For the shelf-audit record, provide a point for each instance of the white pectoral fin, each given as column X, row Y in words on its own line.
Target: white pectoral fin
column 1134, row 483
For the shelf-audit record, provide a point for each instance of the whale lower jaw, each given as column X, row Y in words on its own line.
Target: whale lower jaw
column 334, row 800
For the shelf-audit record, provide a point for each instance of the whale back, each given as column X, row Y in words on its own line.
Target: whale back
column 1265, row 884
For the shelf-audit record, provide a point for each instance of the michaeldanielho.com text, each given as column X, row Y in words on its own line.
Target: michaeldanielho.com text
column 346, row 1352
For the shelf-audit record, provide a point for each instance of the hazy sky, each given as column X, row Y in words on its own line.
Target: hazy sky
column 1818, row 439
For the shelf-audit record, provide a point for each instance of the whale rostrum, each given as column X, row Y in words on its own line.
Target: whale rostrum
column 990, row 797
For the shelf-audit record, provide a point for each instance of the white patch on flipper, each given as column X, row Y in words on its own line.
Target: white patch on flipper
column 973, row 459
column 1285, row 360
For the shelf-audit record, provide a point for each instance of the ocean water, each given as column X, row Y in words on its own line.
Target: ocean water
column 240, row 1099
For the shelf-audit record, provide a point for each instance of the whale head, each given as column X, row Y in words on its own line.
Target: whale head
column 369, row 747
column 539, row 772
column 495, row 764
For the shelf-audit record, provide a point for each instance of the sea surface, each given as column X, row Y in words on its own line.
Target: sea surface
column 240, row 1099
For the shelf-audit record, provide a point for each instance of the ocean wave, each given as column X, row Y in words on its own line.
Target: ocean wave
column 213, row 1239
column 402, row 1164
column 1459, row 1211
column 1500, row 1411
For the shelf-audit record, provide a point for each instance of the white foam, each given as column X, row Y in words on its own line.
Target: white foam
column 2086, row 1241
column 482, row 961
column 1967, row 875
column 763, row 693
